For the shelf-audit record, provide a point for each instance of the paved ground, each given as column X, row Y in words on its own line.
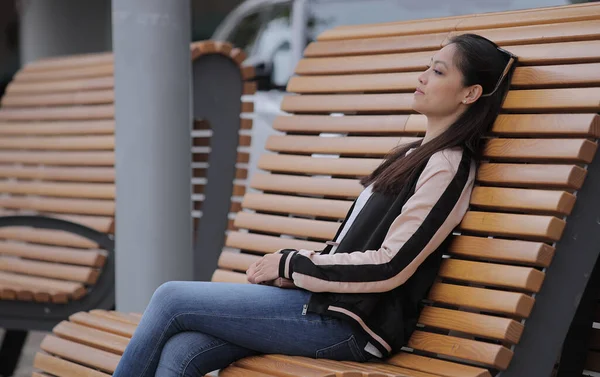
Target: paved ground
column 33, row 345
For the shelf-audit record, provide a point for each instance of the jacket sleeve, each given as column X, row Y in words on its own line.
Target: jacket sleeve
column 437, row 206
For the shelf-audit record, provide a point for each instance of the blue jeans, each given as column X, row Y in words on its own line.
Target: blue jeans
column 193, row 328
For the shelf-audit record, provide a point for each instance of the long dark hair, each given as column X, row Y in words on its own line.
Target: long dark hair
column 481, row 63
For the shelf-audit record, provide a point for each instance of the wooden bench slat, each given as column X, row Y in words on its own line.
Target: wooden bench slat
column 490, row 354
column 59, row 86
column 81, row 354
column 91, row 97
column 532, row 175
column 99, row 70
column 64, row 143
column 80, row 274
column 547, row 228
column 335, row 187
column 569, row 150
column 329, row 208
column 15, row 291
column 76, row 206
column 556, row 76
column 503, row 329
column 489, row 274
column 48, row 173
column 556, row 202
column 346, row 145
column 436, row 366
column 94, row 127
column 234, row 371
column 566, row 99
column 46, row 237
column 236, row 261
column 511, row 303
column 412, row 43
column 91, row 337
column 562, row 53
column 531, row 77
column 544, row 33
column 69, row 158
column 57, row 254
column 89, row 112
column 69, row 62
column 117, row 316
column 575, row 125
column 353, row 167
column 569, row 125
column 104, row 324
column 339, row 368
column 224, row 276
column 70, row 190
column 527, row 100
column 267, row 244
column 496, row 249
column 363, row 124
column 63, row 368
column 58, row 290
column 286, row 225
column 280, row 368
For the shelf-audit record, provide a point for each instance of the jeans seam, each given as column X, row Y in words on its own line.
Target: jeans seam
column 198, row 354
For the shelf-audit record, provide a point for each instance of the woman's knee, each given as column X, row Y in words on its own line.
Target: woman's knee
column 166, row 293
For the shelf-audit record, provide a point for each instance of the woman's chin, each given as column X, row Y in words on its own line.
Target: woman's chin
column 418, row 107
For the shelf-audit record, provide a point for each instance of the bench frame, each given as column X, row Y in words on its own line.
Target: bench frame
column 564, row 286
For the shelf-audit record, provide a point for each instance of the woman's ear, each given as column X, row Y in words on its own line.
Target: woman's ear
column 472, row 94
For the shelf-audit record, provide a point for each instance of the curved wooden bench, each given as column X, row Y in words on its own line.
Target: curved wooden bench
column 57, row 162
column 523, row 249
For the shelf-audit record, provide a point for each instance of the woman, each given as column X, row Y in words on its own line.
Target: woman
column 359, row 298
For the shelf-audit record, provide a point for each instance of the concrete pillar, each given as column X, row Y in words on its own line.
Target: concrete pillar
column 63, row 27
column 151, row 41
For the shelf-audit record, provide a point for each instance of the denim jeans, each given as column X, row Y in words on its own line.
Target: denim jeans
column 193, row 328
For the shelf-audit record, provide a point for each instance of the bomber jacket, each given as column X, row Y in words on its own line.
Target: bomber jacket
column 387, row 261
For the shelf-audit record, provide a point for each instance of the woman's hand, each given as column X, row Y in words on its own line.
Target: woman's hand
column 265, row 269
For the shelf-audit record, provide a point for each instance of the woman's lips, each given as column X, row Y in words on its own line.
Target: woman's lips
column 419, row 91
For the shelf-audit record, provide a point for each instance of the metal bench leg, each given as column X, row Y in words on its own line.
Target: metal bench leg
column 576, row 344
column 10, row 352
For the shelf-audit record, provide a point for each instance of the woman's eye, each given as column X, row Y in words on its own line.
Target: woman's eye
column 437, row 72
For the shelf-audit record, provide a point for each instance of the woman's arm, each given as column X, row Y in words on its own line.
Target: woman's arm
column 440, row 201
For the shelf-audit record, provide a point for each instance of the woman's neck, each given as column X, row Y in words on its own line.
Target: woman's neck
column 437, row 125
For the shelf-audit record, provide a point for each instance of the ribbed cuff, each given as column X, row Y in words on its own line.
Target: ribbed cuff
column 285, row 268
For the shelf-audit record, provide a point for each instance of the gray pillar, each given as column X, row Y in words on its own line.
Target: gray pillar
column 63, row 27
column 151, row 40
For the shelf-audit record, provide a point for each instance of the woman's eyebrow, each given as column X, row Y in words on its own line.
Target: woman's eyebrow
column 441, row 62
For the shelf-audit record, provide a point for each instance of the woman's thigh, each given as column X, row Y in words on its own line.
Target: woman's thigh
column 261, row 318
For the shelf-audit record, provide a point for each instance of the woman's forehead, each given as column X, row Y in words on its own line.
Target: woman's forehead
column 446, row 54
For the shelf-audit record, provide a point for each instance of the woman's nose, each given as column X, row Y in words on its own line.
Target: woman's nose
column 422, row 78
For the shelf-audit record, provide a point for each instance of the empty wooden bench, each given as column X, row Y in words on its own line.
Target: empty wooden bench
column 521, row 257
column 57, row 189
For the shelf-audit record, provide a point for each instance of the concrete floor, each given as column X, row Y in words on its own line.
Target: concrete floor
column 25, row 367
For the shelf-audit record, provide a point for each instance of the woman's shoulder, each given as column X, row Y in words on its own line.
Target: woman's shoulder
column 447, row 159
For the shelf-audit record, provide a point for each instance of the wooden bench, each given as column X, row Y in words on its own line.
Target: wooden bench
column 57, row 180
column 521, row 257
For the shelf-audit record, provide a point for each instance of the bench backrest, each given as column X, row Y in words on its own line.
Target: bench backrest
column 352, row 104
column 57, row 159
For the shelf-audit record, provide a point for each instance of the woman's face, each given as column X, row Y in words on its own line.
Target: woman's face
column 440, row 91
